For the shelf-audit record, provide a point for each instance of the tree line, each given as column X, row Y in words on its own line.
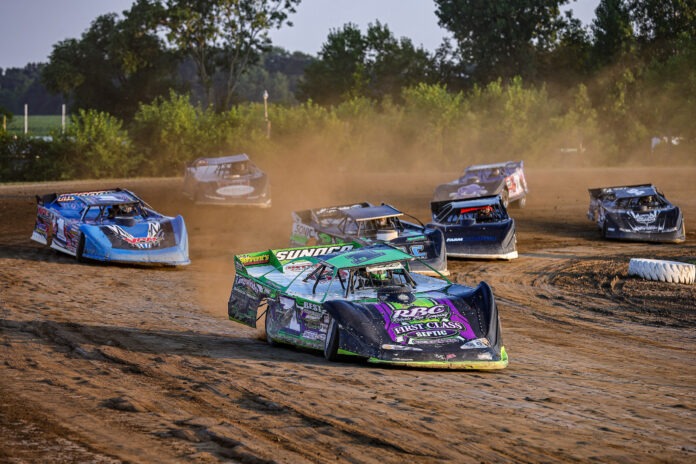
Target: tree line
column 631, row 72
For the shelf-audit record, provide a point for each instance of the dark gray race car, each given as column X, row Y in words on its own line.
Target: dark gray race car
column 369, row 224
column 636, row 212
column 505, row 179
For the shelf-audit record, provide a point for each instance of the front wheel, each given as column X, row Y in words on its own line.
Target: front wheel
column 331, row 341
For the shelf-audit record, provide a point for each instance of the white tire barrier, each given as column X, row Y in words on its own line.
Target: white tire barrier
column 664, row 271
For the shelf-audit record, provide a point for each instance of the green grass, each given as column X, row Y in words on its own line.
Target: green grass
column 38, row 125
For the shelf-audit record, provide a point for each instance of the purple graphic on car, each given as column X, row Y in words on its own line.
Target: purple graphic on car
column 425, row 321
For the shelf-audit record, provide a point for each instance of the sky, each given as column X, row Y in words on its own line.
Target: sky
column 30, row 28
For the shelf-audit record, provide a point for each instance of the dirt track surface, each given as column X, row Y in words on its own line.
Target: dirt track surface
column 125, row 364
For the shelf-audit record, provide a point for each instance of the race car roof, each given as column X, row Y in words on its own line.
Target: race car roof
column 473, row 202
column 626, row 191
column 372, row 212
column 475, row 167
column 222, row 160
column 102, row 197
column 362, row 257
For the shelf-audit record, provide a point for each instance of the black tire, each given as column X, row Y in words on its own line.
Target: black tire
column 505, row 197
column 604, row 229
column 269, row 340
column 331, row 340
column 80, row 249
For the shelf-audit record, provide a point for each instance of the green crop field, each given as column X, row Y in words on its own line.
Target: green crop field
column 38, row 125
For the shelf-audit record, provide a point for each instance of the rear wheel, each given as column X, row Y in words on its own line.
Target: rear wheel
column 49, row 234
column 80, row 248
column 266, row 324
column 331, row 341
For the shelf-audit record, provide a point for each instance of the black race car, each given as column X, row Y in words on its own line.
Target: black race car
column 227, row 180
column 636, row 212
column 476, row 228
column 369, row 224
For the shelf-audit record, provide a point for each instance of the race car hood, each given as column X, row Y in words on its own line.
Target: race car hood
column 127, row 234
column 421, row 325
column 651, row 221
column 163, row 241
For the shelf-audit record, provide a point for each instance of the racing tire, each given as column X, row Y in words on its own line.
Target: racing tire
column 269, row 340
column 331, row 341
column 663, row 271
column 521, row 203
column 80, row 249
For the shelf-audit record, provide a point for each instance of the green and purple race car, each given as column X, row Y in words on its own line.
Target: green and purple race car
column 363, row 302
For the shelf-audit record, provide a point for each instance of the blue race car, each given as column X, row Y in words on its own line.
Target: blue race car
column 227, row 180
column 476, row 228
column 369, row 224
column 110, row 225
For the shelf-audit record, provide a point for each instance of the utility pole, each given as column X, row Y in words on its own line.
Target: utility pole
column 265, row 114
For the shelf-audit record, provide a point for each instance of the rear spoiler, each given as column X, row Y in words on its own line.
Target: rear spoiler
column 282, row 256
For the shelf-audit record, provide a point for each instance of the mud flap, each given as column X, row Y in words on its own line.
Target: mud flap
column 244, row 300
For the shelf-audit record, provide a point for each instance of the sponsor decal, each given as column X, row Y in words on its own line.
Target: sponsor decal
column 250, row 260
column 636, row 192
column 473, row 238
column 155, row 235
column 417, row 251
column 297, row 266
column 235, row 190
column 647, row 218
column 285, row 255
column 106, row 194
column 304, row 230
column 425, row 321
column 416, row 312
column 430, row 329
